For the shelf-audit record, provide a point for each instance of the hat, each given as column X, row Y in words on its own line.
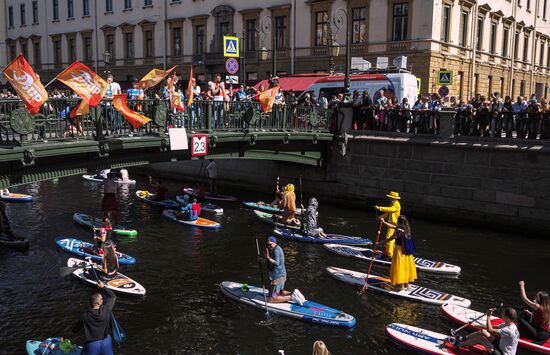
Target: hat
column 290, row 188
column 394, row 195
column 272, row 239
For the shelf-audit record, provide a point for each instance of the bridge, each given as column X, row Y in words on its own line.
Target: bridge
column 50, row 145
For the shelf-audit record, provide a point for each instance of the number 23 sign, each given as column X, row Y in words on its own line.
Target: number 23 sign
column 199, row 145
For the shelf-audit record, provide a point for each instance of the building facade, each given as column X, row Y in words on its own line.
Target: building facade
column 497, row 45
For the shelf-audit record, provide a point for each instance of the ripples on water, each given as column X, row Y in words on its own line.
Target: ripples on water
column 184, row 313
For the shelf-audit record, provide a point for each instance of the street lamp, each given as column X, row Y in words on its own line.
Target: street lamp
column 267, row 27
column 107, row 60
column 340, row 18
column 333, row 50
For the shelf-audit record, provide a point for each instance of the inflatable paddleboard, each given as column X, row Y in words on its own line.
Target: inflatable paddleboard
column 209, row 196
column 263, row 207
column 84, row 249
column 12, row 197
column 383, row 285
column 366, row 254
column 93, row 222
column 462, row 315
column 95, row 178
column 330, row 238
column 33, row 348
column 149, row 197
column 120, row 283
column 427, row 342
column 206, row 207
column 310, row 312
column 200, row 222
column 268, row 218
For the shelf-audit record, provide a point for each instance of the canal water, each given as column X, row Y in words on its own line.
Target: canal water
column 181, row 267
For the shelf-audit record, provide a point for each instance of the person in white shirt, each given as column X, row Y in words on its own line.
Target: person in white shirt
column 111, row 113
column 212, row 170
column 216, row 91
column 124, row 175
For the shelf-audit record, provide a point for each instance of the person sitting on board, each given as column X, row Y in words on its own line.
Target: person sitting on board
column 289, row 206
column 403, row 268
column 277, row 275
column 5, row 192
column 507, row 331
column 535, row 322
column 103, row 174
column 190, row 211
column 109, row 264
column 391, row 214
column 96, row 323
column 160, row 190
column 309, row 218
column 104, row 234
column 124, row 175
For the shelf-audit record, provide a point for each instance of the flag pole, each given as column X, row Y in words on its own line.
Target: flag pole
column 51, row 81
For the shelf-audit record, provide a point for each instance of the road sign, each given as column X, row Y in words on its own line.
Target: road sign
column 230, row 46
column 199, row 145
column 444, row 77
column 232, row 79
column 232, row 66
column 443, row 91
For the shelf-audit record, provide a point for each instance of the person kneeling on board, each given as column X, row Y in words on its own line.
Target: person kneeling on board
column 309, row 219
column 277, row 275
column 289, row 206
column 535, row 322
column 403, row 268
column 507, row 331
column 109, row 264
column 190, row 211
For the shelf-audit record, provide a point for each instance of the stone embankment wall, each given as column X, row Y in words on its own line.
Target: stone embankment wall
column 487, row 183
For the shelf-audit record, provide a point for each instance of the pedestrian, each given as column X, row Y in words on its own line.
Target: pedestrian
column 535, row 322
column 109, row 202
column 390, row 214
column 212, row 170
column 96, row 322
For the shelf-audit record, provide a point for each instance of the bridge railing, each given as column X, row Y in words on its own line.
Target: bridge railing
column 53, row 122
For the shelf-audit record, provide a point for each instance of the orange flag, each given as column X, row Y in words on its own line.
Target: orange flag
column 175, row 98
column 267, row 97
column 154, row 77
column 135, row 119
column 190, row 87
column 80, row 110
column 26, row 83
column 85, row 82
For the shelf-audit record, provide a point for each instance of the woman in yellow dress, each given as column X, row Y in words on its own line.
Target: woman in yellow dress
column 391, row 214
column 403, row 268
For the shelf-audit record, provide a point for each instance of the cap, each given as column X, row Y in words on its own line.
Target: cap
column 272, row 239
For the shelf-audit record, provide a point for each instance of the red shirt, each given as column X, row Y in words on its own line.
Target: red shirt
column 538, row 319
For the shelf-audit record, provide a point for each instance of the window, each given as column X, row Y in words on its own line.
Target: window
column 280, row 32
column 70, row 9
column 71, row 46
column 358, row 26
column 516, row 46
column 446, row 23
column 489, row 86
column 23, row 17
column 251, row 35
column 37, row 58
column 513, row 87
column 199, row 39
column 541, row 58
column 148, row 38
column 127, row 4
column 148, row 3
column 476, row 83
column 493, row 43
column 55, row 10
column 525, row 47
column 11, row 48
column 464, row 15
column 501, row 86
column 24, row 49
column 108, row 5
column 544, row 4
column 87, row 44
column 528, row 4
column 459, row 77
column 176, row 41
column 548, row 57
column 10, row 16
column 128, row 45
column 522, row 88
column 110, row 44
column 400, row 21
column 479, row 37
column 57, row 51
column 505, row 34
column 85, row 7
column 35, row 12
column 321, row 28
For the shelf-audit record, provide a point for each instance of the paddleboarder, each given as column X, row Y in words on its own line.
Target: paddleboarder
column 391, row 214
column 190, row 211
column 309, row 218
column 109, row 202
column 212, row 170
column 160, row 190
column 96, row 322
column 319, row 348
column 289, row 205
column 507, row 332
column 535, row 322
column 109, row 264
column 103, row 234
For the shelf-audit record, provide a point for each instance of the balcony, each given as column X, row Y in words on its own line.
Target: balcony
column 399, row 46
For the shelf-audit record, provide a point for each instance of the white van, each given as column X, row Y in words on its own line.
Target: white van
column 398, row 85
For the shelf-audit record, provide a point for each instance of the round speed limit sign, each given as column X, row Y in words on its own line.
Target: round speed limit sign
column 199, row 145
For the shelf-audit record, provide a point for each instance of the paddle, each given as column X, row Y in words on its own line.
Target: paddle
column 277, row 189
column 365, row 286
column 301, row 202
column 454, row 331
column 262, row 277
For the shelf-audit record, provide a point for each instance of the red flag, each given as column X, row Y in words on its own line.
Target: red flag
column 26, row 83
column 80, row 110
column 175, row 98
column 154, row 77
column 267, row 97
column 85, row 82
column 135, row 119
column 190, row 87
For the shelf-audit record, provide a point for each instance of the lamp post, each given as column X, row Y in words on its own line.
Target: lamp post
column 107, row 60
column 340, row 18
column 333, row 51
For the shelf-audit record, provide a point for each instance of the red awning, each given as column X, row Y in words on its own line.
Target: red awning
column 296, row 83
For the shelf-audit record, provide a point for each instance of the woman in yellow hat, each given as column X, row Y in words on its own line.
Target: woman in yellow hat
column 391, row 214
column 289, row 205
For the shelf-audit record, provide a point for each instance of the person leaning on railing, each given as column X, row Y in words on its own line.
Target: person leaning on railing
column 534, row 111
column 545, row 124
column 507, row 117
column 519, row 108
column 495, row 109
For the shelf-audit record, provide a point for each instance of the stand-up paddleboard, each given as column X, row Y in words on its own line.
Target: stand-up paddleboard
column 366, row 254
column 149, row 197
column 33, row 347
column 93, row 222
column 264, row 207
column 309, row 312
column 119, row 283
column 268, row 218
column 95, row 178
column 206, row 207
column 335, row 239
column 427, row 342
column 462, row 315
column 383, row 285
column 84, row 249
column 13, row 197
column 199, row 222
column 209, row 196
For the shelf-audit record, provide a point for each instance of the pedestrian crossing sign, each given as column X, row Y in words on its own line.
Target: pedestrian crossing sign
column 445, row 77
column 230, row 46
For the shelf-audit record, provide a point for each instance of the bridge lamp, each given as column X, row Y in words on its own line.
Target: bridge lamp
column 334, row 51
